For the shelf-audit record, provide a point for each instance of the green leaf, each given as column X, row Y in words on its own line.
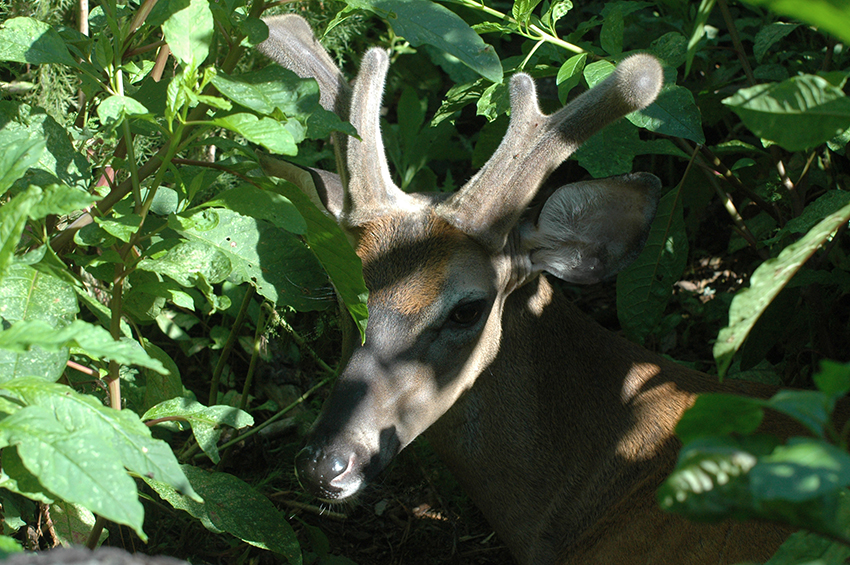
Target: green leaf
column 522, row 10
column 60, row 200
column 610, row 151
column 494, row 102
column 206, row 421
column 23, row 150
column 597, row 71
column 115, row 108
column 334, row 252
column 280, row 93
column 824, row 205
column 73, row 523
column 249, row 200
column 611, row 35
column 189, row 33
column 674, row 113
column 276, row 262
column 93, row 340
column 767, row 281
column 719, row 414
column 267, row 132
column 159, row 387
column 833, row 379
column 809, row 407
column 703, row 12
column 77, row 465
column 428, row 23
column 769, row 35
column 809, row 548
column 123, row 227
column 121, row 431
column 709, row 482
column 644, row 288
column 830, row 15
column 61, row 162
column 30, row 295
column 15, row 477
column 798, row 113
column 13, row 219
column 233, row 506
column 188, row 260
column 269, row 89
column 802, row 470
column 25, row 40
column 569, row 75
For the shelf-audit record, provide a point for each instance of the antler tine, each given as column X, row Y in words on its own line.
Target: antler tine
column 291, row 44
column 489, row 205
column 371, row 190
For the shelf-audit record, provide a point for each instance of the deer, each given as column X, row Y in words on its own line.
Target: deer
column 559, row 430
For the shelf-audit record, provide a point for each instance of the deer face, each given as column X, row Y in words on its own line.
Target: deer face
column 434, row 323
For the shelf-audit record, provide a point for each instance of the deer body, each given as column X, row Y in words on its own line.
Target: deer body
column 559, row 430
column 582, row 446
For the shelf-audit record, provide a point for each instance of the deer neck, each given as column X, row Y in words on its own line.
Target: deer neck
column 548, row 437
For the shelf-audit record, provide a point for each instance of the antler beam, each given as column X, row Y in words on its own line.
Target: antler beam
column 535, row 145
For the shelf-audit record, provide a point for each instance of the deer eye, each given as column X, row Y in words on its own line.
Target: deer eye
column 467, row 314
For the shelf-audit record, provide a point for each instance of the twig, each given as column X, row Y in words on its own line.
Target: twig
column 730, row 177
column 793, row 193
column 83, row 369
column 228, row 345
column 736, row 40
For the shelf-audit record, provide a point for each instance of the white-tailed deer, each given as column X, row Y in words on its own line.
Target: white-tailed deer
column 559, row 430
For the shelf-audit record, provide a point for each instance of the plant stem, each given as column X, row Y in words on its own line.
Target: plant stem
column 279, row 414
column 539, row 33
column 228, row 346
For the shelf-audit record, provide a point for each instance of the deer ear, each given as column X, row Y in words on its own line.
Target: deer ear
column 588, row 231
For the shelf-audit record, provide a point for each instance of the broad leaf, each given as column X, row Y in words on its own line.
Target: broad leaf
column 126, row 437
column 798, row 113
column 830, row 15
column 77, row 465
column 23, row 150
column 718, row 414
column 93, row 340
column 334, row 252
column 644, row 288
column 429, row 23
column 187, row 261
column 767, row 281
column 276, row 262
column 233, row 506
column 267, row 132
column 60, row 162
column 189, row 33
column 13, row 219
column 30, row 295
column 266, row 205
column 206, row 421
column 25, row 40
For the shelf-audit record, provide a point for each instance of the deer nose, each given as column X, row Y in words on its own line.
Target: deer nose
column 327, row 475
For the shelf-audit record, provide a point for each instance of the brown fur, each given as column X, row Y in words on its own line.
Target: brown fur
column 405, row 263
column 564, row 439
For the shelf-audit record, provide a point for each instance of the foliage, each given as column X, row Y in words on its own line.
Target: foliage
column 143, row 251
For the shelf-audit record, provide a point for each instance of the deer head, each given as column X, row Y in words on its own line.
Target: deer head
column 439, row 268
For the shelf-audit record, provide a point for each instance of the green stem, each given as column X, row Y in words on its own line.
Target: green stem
column 228, row 346
column 277, row 416
column 539, row 33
